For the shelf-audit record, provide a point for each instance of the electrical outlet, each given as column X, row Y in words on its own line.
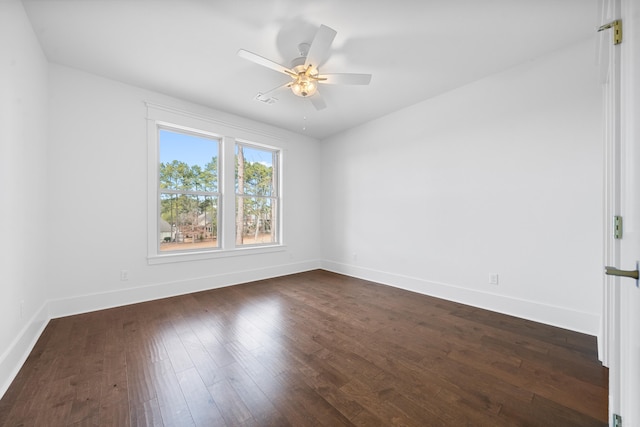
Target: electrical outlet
column 494, row 279
column 617, row 420
column 124, row 275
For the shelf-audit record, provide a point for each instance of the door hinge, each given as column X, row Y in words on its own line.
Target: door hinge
column 617, row 30
column 617, row 420
column 617, row 227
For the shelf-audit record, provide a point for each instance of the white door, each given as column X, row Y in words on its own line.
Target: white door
column 622, row 295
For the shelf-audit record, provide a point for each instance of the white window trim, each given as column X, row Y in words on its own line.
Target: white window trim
column 159, row 116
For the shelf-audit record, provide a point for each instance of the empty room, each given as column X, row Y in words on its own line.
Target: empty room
column 297, row 213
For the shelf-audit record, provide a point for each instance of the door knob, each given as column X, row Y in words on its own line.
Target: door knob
column 633, row 274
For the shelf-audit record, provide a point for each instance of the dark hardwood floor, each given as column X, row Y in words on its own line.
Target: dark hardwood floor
column 311, row 349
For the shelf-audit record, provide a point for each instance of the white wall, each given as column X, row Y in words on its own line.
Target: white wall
column 501, row 176
column 98, row 183
column 23, row 208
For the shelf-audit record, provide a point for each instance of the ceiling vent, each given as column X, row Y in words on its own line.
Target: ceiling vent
column 266, row 99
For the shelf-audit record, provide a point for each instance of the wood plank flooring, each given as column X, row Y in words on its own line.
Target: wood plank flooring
column 311, row 349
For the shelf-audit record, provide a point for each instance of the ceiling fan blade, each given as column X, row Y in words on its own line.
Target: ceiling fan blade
column 320, row 46
column 261, row 60
column 344, row 79
column 318, row 101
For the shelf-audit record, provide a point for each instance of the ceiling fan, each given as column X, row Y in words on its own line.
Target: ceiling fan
column 304, row 72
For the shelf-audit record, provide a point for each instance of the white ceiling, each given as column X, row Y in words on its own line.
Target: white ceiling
column 415, row 49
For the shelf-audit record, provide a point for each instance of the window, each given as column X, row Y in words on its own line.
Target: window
column 214, row 190
column 188, row 188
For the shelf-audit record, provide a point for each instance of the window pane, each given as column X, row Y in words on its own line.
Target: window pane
column 188, row 222
column 254, row 171
column 188, row 162
column 258, row 220
column 256, row 195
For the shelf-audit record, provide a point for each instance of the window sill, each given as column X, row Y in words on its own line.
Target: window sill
column 215, row 254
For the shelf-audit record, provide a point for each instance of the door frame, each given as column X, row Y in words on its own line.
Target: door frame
column 609, row 62
column 619, row 343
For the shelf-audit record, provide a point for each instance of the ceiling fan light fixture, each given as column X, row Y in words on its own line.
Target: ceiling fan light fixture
column 304, row 86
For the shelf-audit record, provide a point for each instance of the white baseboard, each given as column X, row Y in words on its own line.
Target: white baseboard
column 586, row 323
column 99, row 301
column 14, row 357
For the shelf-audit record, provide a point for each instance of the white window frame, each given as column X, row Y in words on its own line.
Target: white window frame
column 163, row 117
